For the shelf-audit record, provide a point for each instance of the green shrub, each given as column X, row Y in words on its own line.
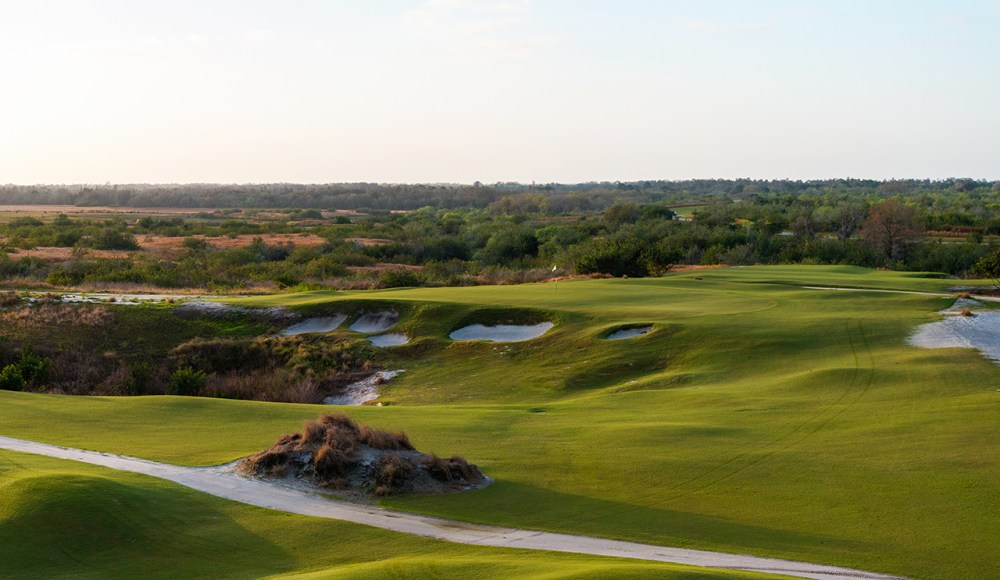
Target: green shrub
column 11, row 378
column 33, row 368
column 187, row 381
column 399, row 279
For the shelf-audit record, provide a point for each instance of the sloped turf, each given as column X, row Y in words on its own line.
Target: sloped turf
column 64, row 519
column 758, row 417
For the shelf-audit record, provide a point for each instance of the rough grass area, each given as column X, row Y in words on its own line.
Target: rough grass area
column 338, row 453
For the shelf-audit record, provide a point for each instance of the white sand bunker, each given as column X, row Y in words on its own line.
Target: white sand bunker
column 501, row 332
column 362, row 391
column 314, row 325
column 632, row 332
column 375, row 321
column 980, row 331
column 384, row 340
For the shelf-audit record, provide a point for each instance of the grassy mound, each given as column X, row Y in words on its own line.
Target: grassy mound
column 335, row 452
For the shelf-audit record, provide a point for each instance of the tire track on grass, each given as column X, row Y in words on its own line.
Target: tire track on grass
column 222, row 482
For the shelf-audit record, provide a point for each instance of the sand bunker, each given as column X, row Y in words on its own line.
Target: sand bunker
column 981, row 332
column 384, row 340
column 375, row 322
column 362, row 391
column 629, row 332
column 318, row 324
column 501, row 332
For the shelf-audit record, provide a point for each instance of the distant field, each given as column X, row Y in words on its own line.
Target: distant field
column 11, row 211
column 758, row 417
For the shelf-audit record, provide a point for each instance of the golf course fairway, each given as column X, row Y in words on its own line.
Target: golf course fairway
column 758, row 417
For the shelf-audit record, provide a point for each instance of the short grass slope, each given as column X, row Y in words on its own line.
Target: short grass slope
column 758, row 416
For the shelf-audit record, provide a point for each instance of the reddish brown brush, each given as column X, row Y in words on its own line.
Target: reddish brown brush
column 449, row 470
column 338, row 453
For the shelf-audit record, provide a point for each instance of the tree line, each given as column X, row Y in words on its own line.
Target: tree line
column 515, row 239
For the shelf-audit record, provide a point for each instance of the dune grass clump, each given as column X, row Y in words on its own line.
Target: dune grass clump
column 454, row 468
column 337, row 453
column 391, row 474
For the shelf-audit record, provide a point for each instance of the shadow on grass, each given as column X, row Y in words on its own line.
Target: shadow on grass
column 83, row 526
column 520, row 505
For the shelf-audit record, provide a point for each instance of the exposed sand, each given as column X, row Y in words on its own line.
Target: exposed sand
column 980, row 331
column 501, row 332
column 129, row 299
column 371, row 322
column 315, row 325
column 386, row 340
column 630, row 332
column 362, row 391
column 223, row 482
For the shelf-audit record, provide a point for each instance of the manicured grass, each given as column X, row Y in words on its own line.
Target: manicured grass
column 757, row 417
column 61, row 518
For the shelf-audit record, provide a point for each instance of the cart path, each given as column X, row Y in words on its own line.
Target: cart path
column 223, row 482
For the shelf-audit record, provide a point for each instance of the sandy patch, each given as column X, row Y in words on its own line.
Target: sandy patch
column 362, row 391
column 980, row 331
column 101, row 209
column 371, row 322
column 320, row 324
column 369, row 241
column 501, row 332
column 634, row 332
column 387, row 340
column 55, row 254
column 174, row 244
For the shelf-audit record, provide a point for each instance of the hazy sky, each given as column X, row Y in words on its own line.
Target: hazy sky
column 507, row 90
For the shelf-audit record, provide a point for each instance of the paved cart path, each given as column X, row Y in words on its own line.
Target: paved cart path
column 223, row 482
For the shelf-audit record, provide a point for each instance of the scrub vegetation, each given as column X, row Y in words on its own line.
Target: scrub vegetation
column 271, row 238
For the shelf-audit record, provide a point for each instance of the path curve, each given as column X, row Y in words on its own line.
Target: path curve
column 223, row 482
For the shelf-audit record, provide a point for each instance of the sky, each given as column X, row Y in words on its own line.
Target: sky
column 457, row 91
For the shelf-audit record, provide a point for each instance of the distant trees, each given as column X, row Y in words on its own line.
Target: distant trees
column 847, row 219
column 29, row 370
column 891, row 227
column 989, row 267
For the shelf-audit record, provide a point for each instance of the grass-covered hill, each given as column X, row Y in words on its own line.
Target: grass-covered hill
column 759, row 416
